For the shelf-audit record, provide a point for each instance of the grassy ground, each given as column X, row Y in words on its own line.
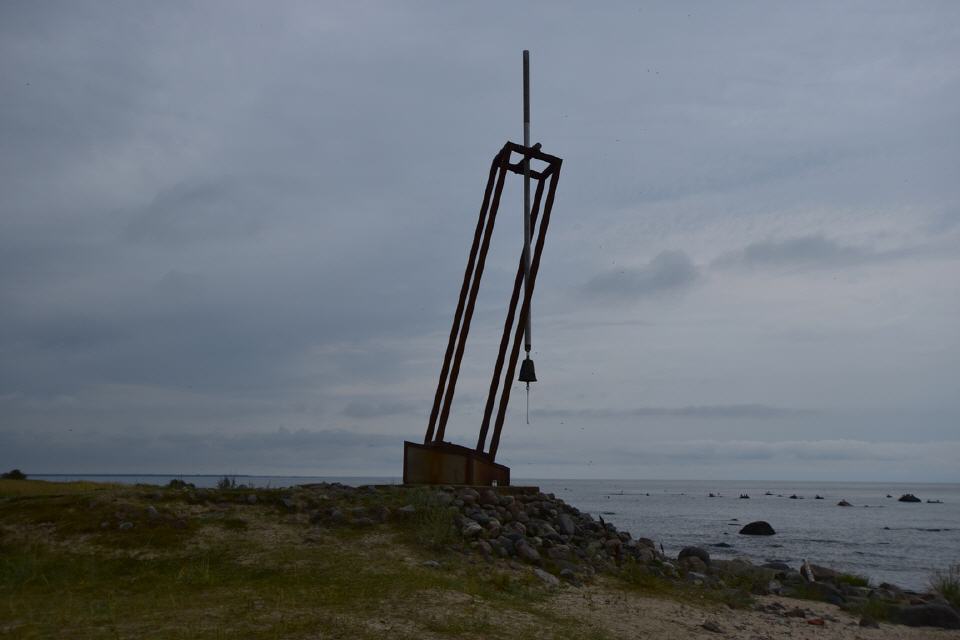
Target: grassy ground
column 216, row 566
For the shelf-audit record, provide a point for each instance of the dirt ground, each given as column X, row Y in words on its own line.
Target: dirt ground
column 623, row 614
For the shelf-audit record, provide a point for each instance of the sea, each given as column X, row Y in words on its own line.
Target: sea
column 879, row 537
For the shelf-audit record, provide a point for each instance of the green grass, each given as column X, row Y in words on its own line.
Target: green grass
column 209, row 565
column 639, row 578
column 14, row 488
column 852, row 579
column 947, row 584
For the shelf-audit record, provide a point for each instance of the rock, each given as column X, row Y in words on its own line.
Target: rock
column 406, row 510
column 869, row 623
column 526, row 552
column 485, row 548
column 697, row 577
column 566, row 524
column 758, row 528
column 695, row 552
column 816, row 621
column 844, row 503
column 288, row 503
column 776, row 566
column 819, row 573
column 488, row 496
column 152, row 512
column 709, row 625
column 908, row 497
column 693, row 564
column 647, row 542
column 431, row 564
column 567, row 574
column 548, row 579
column 251, row 499
column 721, row 545
column 471, row 529
column 928, row 615
column 125, row 526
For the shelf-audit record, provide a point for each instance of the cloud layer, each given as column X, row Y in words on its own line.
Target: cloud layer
column 232, row 235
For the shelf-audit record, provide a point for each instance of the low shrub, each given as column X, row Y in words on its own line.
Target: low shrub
column 852, row 579
column 14, row 474
column 947, row 584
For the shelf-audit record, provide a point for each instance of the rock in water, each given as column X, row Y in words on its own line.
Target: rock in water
column 694, row 552
column 908, row 497
column 844, row 503
column 758, row 528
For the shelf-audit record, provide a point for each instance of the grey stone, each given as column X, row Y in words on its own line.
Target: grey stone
column 693, row 565
column 485, row 548
column 928, row 615
column 709, row 625
column 548, row 579
column 251, row 499
column 471, row 530
column 526, row 552
column 569, row 575
column 566, row 524
column 694, row 552
column 431, row 564
column 125, row 526
column 152, row 512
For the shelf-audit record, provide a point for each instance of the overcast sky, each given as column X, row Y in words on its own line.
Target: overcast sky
column 232, row 235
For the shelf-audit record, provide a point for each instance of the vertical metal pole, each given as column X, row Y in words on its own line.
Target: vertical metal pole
column 526, row 196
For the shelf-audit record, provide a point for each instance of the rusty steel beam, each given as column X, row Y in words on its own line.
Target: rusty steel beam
column 472, row 299
column 524, row 311
column 508, row 324
column 458, row 314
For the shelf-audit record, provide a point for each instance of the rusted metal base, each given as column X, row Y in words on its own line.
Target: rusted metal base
column 446, row 463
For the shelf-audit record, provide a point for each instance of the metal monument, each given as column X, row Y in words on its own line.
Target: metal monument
column 437, row 461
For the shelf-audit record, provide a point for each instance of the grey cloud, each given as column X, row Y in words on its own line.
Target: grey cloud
column 819, row 252
column 667, row 271
column 704, row 412
column 226, row 218
column 378, row 409
column 188, row 213
column 86, row 451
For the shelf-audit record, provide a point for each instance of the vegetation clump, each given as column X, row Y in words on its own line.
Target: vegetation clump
column 947, row 583
column 14, row 474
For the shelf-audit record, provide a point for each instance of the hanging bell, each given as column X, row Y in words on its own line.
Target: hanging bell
column 527, row 373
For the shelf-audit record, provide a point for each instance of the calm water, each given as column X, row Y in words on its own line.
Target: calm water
column 879, row 537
